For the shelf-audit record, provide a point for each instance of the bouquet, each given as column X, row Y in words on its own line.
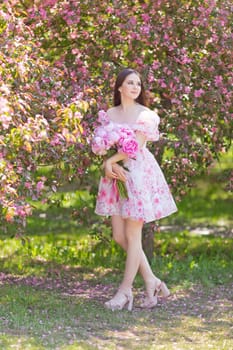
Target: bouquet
column 109, row 138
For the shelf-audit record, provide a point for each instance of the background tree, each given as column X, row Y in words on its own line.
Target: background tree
column 58, row 65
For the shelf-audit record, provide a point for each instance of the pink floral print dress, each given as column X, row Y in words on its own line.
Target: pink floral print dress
column 149, row 195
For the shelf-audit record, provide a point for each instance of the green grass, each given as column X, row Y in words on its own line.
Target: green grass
column 40, row 319
column 53, row 283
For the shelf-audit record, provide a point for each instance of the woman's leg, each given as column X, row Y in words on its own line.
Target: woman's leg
column 133, row 234
column 118, row 231
column 133, row 231
column 119, row 235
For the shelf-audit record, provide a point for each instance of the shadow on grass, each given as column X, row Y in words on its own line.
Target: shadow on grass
column 57, row 318
column 176, row 255
column 52, row 292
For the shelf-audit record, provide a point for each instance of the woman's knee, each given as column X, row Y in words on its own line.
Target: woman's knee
column 118, row 236
column 118, row 228
column 133, row 231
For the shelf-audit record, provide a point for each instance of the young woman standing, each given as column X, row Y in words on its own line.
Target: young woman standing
column 149, row 197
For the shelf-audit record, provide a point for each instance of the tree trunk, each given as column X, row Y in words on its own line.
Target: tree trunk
column 148, row 240
column 149, row 229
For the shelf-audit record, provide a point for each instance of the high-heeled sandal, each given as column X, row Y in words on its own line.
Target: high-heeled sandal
column 152, row 302
column 162, row 288
column 120, row 300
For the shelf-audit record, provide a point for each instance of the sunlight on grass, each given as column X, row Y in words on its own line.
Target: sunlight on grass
column 208, row 203
column 46, row 319
column 54, row 279
column 10, row 341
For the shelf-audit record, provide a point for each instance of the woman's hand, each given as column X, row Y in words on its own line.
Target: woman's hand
column 108, row 167
column 114, row 171
column 120, row 172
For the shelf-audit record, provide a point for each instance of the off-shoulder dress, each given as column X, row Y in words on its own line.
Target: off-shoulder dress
column 149, row 195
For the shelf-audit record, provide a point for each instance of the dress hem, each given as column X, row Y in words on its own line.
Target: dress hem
column 137, row 219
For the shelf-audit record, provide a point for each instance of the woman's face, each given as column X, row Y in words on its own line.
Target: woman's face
column 131, row 87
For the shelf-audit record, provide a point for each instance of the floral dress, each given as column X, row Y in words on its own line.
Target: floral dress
column 149, row 197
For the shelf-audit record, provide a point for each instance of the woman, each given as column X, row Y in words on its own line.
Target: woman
column 149, row 197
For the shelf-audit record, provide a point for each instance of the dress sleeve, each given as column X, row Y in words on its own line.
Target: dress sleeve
column 147, row 124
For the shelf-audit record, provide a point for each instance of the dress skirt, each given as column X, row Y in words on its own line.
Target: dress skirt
column 149, row 196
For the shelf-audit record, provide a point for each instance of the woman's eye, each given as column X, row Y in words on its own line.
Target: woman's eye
column 132, row 83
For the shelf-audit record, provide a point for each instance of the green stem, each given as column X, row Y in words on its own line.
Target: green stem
column 122, row 189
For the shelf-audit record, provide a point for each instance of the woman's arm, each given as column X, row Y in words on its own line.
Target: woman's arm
column 109, row 164
column 117, row 157
column 141, row 138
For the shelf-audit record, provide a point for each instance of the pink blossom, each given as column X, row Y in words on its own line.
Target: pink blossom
column 56, row 140
column 28, row 185
column 80, row 171
column 128, row 146
column 185, row 161
column 162, row 83
column 145, row 29
column 4, row 105
column 218, row 80
column 156, row 65
column 199, row 93
column 186, row 60
column 146, row 17
column 40, row 186
column 176, row 101
column 73, row 35
column 99, row 146
column 133, row 20
column 164, row 61
column 110, row 10
column 103, row 117
column 5, row 120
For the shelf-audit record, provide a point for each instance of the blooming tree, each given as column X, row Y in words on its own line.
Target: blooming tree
column 58, row 65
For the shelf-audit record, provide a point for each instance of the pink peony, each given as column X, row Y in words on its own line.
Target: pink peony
column 111, row 135
column 99, row 146
column 129, row 146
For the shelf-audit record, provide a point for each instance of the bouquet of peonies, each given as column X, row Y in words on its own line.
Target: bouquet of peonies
column 110, row 137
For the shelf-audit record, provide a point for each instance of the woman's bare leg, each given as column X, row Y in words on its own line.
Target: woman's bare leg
column 133, row 234
column 119, row 235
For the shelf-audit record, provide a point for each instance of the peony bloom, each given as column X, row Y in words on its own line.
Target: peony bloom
column 129, row 146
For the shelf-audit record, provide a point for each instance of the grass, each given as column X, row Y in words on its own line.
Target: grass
column 33, row 318
column 53, row 283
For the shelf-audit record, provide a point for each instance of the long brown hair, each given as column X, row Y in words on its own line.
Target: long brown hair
column 119, row 81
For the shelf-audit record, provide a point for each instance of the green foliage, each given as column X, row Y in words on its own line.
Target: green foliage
column 54, row 279
column 55, row 236
column 58, row 62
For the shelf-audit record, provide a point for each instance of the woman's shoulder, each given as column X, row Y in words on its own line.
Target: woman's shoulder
column 112, row 109
column 146, row 112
